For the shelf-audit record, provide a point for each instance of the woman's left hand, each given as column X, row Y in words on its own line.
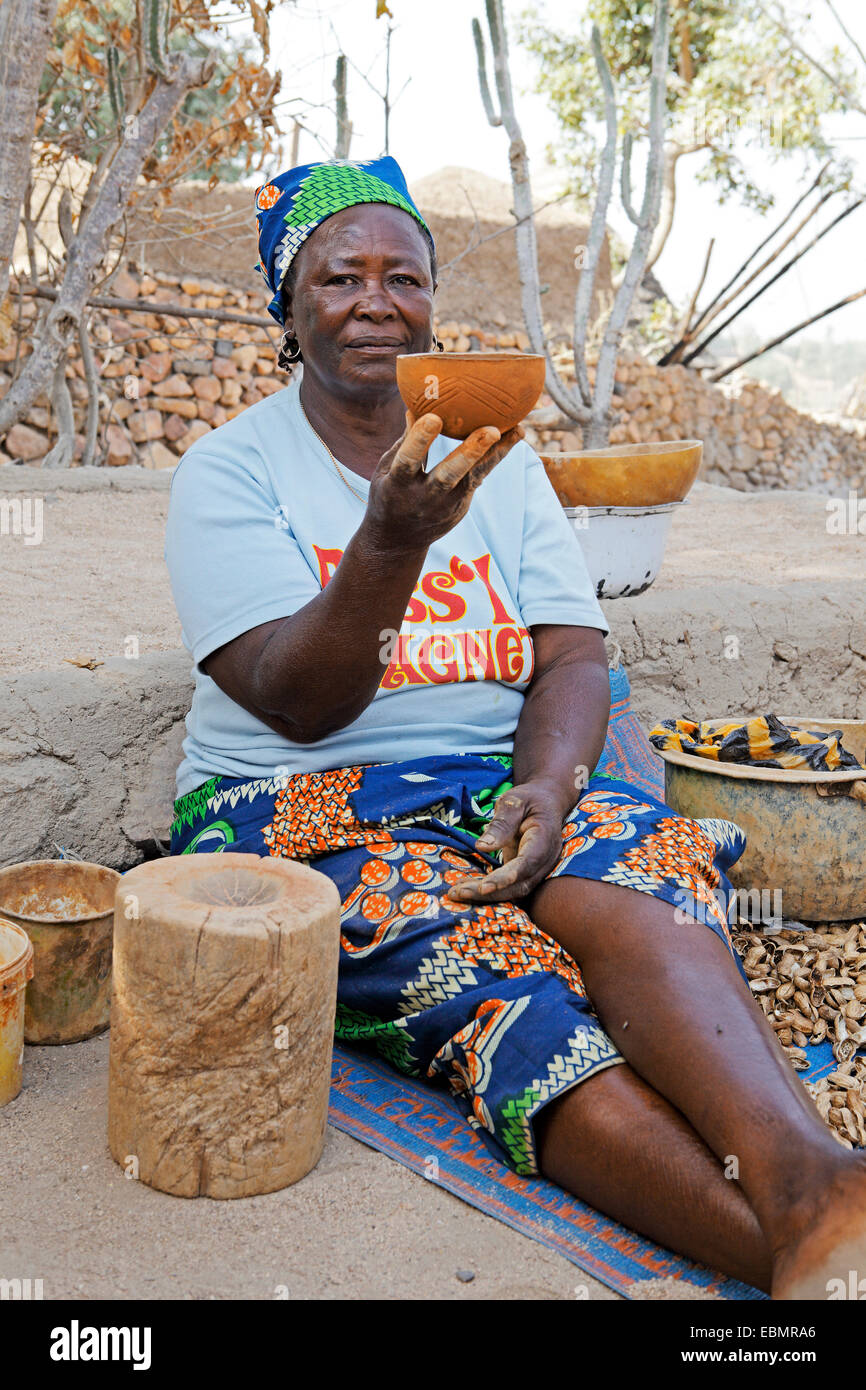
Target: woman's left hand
column 527, row 827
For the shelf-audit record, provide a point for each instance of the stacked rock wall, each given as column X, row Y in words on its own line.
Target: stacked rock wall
column 752, row 437
column 165, row 381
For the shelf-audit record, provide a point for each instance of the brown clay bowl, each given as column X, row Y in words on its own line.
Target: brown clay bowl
column 470, row 389
column 625, row 475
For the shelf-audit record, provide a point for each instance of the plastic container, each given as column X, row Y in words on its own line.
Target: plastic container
column 66, row 906
column 16, row 968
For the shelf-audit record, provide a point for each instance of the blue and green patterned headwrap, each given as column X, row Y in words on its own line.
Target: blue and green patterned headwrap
column 294, row 204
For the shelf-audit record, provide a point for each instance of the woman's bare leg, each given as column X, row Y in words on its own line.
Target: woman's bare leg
column 672, row 1000
column 676, row 1192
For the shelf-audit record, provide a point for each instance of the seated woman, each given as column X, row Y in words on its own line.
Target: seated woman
column 401, row 680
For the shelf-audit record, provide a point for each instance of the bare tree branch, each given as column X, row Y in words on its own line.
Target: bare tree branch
column 597, row 433
column 88, row 249
column 673, row 153
column 344, row 125
column 598, row 222
column 61, row 454
column 783, row 337
column 25, row 33
column 849, row 36
column 590, row 407
column 687, row 316
column 51, row 186
column 685, row 66
column 625, row 178
column 491, row 236
column 704, row 344
column 64, row 219
column 92, row 380
column 153, row 306
column 490, row 111
column 527, row 248
column 835, row 79
column 29, row 234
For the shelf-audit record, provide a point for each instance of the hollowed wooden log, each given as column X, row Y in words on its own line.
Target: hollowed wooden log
column 225, row 981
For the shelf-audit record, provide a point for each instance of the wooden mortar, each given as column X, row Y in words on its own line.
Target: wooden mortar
column 222, row 1022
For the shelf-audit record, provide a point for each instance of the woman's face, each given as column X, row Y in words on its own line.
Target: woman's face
column 362, row 293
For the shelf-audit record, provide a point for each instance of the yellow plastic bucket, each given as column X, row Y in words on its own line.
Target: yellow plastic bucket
column 16, row 968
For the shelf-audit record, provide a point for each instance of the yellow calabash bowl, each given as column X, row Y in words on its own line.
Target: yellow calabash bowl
column 625, row 475
column 470, row 389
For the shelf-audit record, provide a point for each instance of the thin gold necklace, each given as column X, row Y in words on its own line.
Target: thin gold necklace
column 360, row 496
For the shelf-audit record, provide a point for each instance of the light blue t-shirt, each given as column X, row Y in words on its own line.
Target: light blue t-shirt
column 258, row 520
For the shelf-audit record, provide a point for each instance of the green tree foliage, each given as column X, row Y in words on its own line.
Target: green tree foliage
column 736, row 88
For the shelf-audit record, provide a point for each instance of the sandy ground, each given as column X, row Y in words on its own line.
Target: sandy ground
column 98, row 577
column 360, row 1226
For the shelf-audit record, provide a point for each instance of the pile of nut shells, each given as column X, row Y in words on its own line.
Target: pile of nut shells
column 810, row 983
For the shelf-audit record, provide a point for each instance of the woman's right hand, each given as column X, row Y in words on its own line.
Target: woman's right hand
column 410, row 508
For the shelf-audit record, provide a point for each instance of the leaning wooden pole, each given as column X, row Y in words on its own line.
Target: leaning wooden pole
column 789, row 333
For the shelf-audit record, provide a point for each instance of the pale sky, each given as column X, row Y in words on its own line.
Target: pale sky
column 439, row 120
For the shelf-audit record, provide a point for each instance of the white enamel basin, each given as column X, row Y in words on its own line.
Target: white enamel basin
column 623, row 546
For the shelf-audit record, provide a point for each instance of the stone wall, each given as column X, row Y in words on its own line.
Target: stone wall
column 752, row 437
column 166, row 381
column 163, row 381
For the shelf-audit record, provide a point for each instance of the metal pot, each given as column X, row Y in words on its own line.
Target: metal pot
column 805, row 831
column 66, row 906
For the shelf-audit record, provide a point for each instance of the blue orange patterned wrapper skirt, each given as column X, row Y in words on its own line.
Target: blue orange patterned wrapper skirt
column 473, row 996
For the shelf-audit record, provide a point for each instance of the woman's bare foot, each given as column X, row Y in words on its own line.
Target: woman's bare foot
column 827, row 1258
